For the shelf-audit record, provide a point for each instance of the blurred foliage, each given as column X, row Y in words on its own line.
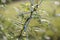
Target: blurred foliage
column 44, row 25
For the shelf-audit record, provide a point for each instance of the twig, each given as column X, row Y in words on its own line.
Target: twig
column 28, row 20
column 26, row 23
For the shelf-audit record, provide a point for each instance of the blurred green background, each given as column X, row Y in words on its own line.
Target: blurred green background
column 45, row 24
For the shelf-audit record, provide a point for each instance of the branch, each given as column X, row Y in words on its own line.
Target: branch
column 26, row 23
column 28, row 20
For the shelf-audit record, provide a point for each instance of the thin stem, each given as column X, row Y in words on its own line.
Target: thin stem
column 28, row 20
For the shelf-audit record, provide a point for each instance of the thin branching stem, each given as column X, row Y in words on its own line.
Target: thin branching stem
column 28, row 20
